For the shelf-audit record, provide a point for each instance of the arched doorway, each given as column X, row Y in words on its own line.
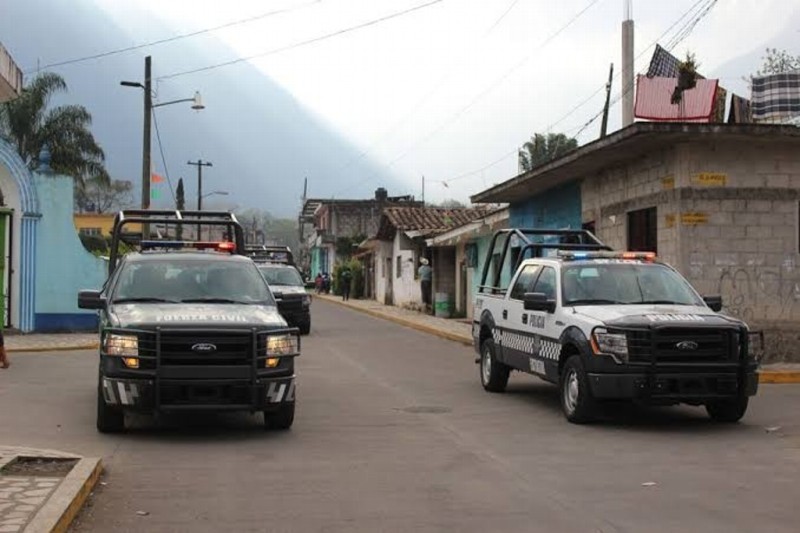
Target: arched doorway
column 19, row 214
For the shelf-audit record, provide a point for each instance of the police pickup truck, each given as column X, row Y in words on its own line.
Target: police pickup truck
column 277, row 265
column 189, row 326
column 606, row 325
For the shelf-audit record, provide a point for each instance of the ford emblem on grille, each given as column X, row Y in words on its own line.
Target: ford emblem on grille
column 204, row 347
column 687, row 345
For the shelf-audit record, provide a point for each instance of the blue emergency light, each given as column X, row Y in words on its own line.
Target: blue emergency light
column 567, row 255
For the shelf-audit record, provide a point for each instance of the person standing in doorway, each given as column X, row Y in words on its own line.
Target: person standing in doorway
column 346, row 278
column 425, row 277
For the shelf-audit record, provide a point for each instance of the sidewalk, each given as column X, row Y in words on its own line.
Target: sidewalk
column 43, row 490
column 459, row 331
column 50, row 342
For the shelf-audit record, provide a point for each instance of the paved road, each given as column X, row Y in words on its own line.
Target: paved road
column 394, row 433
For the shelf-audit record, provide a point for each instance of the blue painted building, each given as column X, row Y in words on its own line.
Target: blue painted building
column 43, row 262
column 557, row 208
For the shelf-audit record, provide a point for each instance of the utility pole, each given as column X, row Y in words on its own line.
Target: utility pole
column 604, row 127
column 423, row 191
column 148, row 113
column 200, row 164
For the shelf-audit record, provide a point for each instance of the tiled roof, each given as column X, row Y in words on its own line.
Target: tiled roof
column 427, row 221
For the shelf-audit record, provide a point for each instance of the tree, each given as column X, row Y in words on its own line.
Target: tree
column 777, row 62
column 543, row 148
column 29, row 124
column 99, row 195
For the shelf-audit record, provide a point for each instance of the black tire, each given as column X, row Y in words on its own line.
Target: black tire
column 109, row 419
column 305, row 327
column 577, row 402
column 728, row 411
column 494, row 374
column 282, row 419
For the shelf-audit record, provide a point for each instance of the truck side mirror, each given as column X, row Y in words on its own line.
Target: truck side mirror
column 713, row 302
column 91, row 300
column 537, row 301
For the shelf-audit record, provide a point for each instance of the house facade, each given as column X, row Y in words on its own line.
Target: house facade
column 331, row 222
column 721, row 203
column 399, row 245
column 464, row 250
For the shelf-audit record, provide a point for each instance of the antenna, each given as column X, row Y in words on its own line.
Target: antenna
column 628, row 9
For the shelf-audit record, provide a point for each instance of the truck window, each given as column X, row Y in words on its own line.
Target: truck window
column 546, row 284
column 524, row 282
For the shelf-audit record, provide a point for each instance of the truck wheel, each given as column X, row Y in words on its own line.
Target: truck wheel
column 283, row 418
column 577, row 402
column 305, row 327
column 728, row 411
column 494, row 374
column 109, row 419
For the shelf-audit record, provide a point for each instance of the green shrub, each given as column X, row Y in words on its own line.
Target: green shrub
column 356, row 280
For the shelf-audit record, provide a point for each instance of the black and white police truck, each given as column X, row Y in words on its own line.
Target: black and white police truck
column 602, row 325
column 189, row 326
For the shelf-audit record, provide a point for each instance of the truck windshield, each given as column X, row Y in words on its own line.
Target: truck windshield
column 177, row 280
column 625, row 283
column 282, row 276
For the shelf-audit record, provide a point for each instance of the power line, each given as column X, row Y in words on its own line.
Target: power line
column 454, row 117
column 419, row 103
column 163, row 159
column 699, row 14
column 301, row 43
column 173, row 38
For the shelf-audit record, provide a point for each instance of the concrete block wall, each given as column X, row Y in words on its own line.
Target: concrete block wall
column 608, row 196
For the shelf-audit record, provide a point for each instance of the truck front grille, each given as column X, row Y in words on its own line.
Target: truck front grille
column 683, row 345
column 185, row 348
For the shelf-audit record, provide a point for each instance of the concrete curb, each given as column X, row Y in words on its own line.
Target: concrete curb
column 60, row 510
column 40, row 349
column 764, row 376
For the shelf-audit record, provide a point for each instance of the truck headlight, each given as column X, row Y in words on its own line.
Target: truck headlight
column 282, row 345
column 613, row 344
column 121, row 345
column 306, row 300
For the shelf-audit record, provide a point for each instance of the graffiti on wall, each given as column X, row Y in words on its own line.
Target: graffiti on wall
column 760, row 293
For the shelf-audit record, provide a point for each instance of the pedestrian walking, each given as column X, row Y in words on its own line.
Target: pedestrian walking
column 4, row 362
column 318, row 282
column 345, row 277
column 326, row 283
column 425, row 277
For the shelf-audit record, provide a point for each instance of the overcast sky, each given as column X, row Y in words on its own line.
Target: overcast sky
column 455, row 86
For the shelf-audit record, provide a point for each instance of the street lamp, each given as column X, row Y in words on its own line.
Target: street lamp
column 220, row 193
column 197, row 104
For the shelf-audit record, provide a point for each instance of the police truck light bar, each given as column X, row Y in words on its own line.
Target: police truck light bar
column 634, row 256
column 223, row 246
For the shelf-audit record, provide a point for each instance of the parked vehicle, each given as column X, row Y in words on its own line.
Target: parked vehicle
column 606, row 325
column 190, row 326
column 294, row 302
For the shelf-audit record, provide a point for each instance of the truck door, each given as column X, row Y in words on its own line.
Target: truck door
column 544, row 327
column 517, row 339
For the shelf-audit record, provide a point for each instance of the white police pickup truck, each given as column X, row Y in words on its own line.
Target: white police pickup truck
column 606, row 325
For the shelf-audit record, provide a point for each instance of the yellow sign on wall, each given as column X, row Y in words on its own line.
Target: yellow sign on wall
column 668, row 182
column 693, row 219
column 711, row 179
column 670, row 220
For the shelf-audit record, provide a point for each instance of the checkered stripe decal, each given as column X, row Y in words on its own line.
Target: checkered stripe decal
column 530, row 344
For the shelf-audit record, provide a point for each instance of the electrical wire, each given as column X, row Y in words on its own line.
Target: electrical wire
column 173, row 38
column 419, row 103
column 163, row 159
column 698, row 15
column 301, row 43
column 458, row 114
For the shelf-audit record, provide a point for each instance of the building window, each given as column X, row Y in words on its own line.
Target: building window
column 642, row 230
column 91, row 231
column 399, row 266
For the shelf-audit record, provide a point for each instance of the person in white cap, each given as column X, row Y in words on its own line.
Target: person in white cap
column 425, row 276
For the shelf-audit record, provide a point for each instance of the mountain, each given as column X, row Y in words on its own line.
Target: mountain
column 261, row 141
